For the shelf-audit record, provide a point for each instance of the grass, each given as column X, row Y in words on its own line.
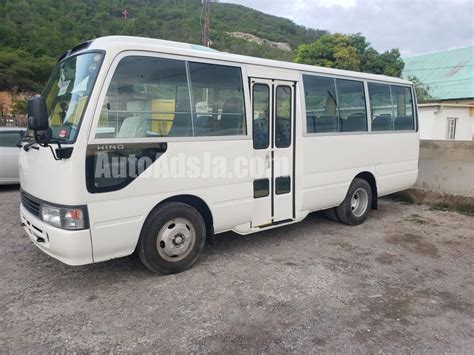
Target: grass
column 416, row 218
column 463, row 206
column 465, row 209
column 402, row 197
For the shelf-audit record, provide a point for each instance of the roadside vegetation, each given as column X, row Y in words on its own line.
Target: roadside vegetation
column 436, row 201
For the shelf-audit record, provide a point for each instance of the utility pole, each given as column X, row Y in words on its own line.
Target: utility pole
column 206, row 14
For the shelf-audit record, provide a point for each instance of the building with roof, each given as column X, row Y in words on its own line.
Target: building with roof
column 449, row 78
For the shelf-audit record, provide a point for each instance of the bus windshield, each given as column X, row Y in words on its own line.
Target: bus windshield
column 67, row 92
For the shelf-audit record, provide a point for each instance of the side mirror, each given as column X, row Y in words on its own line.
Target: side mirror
column 37, row 114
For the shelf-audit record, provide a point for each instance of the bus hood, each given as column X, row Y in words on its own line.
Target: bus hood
column 48, row 179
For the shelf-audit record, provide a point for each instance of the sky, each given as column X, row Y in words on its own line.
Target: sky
column 414, row 26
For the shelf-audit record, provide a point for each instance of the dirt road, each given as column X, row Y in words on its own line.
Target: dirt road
column 401, row 282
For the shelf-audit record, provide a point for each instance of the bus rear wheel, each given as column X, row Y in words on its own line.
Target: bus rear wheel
column 172, row 238
column 356, row 206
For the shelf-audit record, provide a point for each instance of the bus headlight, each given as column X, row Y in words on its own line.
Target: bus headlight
column 64, row 217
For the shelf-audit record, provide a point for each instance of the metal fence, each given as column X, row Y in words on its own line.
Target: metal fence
column 13, row 121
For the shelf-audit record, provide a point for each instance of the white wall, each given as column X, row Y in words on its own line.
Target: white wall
column 433, row 122
column 446, row 167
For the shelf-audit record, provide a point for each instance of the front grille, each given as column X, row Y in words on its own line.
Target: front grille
column 30, row 204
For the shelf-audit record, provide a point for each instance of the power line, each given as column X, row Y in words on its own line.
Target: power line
column 456, row 84
column 445, row 81
column 433, row 68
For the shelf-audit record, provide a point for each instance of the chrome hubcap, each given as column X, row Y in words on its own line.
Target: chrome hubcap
column 359, row 202
column 175, row 239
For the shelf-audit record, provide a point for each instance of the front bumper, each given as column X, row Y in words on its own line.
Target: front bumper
column 70, row 247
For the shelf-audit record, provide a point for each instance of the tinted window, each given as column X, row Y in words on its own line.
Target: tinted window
column 283, row 117
column 218, row 99
column 150, row 97
column 261, row 188
column 392, row 107
column 261, row 108
column 283, row 185
column 9, row 139
column 320, row 97
column 334, row 105
column 403, row 108
column 351, row 105
column 381, row 106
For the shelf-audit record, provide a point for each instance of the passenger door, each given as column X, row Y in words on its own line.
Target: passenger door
column 273, row 143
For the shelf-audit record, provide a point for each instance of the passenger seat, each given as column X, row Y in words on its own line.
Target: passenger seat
column 137, row 125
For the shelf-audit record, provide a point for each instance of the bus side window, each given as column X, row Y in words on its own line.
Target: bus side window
column 403, row 108
column 381, row 106
column 392, row 107
column 218, row 99
column 321, row 104
column 351, row 109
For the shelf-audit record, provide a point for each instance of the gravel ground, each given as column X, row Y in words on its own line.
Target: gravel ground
column 401, row 282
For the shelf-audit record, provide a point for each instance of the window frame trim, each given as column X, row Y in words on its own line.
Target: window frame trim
column 110, row 71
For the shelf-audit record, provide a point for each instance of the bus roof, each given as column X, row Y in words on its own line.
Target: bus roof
column 120, row 43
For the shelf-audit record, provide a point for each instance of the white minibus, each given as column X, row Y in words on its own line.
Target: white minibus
column 154, row 146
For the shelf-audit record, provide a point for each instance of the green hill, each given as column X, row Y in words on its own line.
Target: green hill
column 34, row 33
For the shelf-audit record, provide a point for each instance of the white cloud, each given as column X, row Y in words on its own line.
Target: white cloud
column 341, row 3
column 413, row 26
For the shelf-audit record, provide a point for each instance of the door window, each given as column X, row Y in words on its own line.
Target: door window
column 261, row 119
column 9, row 139
column 283, row 109
column 147, row 97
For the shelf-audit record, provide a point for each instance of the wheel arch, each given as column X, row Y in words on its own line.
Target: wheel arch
column 370, row 178
column 201, row 206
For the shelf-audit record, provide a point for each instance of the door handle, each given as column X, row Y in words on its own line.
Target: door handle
column 267, row 160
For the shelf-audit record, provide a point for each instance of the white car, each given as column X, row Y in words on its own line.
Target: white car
column 9, row 154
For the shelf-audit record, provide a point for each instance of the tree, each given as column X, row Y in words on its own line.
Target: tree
column 331, row 50
column 422, row 90
column 19, row 107
column 21, row 71
column 351, row 52
column 34, row 33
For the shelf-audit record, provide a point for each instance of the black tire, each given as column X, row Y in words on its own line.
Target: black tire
column 331, row 214
column 346, row 212
column 148, row 245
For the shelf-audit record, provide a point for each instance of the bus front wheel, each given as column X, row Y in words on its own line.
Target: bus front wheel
column 172, row 238
column 356, row 206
